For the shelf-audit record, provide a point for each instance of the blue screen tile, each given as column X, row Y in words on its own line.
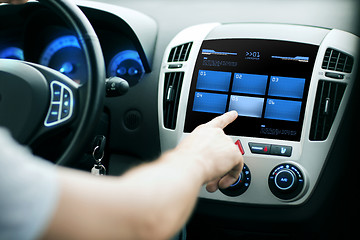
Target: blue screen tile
column 213, row 80
column 247, row 106
column 210, row 102
column 283, row 110
column 249, row 83
column 286, row 87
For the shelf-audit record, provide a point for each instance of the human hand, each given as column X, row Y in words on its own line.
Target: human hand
column 216, row 152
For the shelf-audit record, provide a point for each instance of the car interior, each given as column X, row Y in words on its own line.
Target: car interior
column 123, row 81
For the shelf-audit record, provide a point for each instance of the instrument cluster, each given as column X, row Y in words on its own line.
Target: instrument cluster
column 51, row 43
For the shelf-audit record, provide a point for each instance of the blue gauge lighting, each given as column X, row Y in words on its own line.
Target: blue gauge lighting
column 12, row 53
column 127, row 65
column 67, row 68
column 57, row 45
column 65, row 55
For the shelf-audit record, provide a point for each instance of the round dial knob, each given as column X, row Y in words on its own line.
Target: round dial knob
column 286, row 181
column 241, row 185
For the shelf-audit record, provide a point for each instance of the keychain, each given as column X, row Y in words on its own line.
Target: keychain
column 98, row 168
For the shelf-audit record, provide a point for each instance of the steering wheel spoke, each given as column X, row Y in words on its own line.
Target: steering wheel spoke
column 64, row 97
column 36, row 100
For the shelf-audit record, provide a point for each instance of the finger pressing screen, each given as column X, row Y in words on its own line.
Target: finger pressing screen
column 223, row 120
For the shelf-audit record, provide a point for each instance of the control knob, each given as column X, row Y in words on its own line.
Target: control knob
column 241, row 185
column 286, row 181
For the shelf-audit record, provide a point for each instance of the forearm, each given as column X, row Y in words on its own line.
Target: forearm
column 150, row 201
column 167, row 189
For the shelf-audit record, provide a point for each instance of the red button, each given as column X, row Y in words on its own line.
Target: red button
column 238, row 143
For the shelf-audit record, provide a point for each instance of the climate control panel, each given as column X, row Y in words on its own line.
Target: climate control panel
column 286, row 182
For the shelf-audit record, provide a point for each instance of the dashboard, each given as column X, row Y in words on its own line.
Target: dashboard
column 290, row 70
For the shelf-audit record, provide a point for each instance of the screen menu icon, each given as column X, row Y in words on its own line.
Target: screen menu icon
column 213, row 91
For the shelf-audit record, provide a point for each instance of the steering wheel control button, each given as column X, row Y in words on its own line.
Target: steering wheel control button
column 238, row 143
column 61, row 105
column 54, row 113
column 56, row 93
column 281, row 150
column 241, row 185
column 260, row 148
column 286, row 181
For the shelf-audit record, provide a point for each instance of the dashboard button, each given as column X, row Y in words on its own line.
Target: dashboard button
column 281, row 150
column 176, row 65
column 285, row 179
column 260, row 148
column 334, row 75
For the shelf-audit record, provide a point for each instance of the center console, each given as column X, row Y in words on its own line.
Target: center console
column 289, row 84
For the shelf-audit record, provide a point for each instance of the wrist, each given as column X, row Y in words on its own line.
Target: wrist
column 193, row 164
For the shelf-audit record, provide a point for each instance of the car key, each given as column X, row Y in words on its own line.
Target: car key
column 98, row 168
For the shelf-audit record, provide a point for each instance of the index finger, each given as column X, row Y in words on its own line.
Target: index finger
column 223, row 120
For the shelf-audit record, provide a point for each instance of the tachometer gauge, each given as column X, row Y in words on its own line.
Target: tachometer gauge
column 12, row 53
column 65, row 55
column 127, row 65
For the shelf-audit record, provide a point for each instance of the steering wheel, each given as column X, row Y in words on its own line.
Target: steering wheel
column 37, row 102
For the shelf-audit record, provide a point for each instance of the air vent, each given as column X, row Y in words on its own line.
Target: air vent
column 328, row 98
column 180, row 53
column 172, row 88
column 337, row 61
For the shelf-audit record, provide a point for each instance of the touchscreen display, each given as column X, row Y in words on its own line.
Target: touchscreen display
column 265, row 81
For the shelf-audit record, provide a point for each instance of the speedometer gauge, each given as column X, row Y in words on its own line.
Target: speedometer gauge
column 12, row 53
column 65, row 55
column 127, row 65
